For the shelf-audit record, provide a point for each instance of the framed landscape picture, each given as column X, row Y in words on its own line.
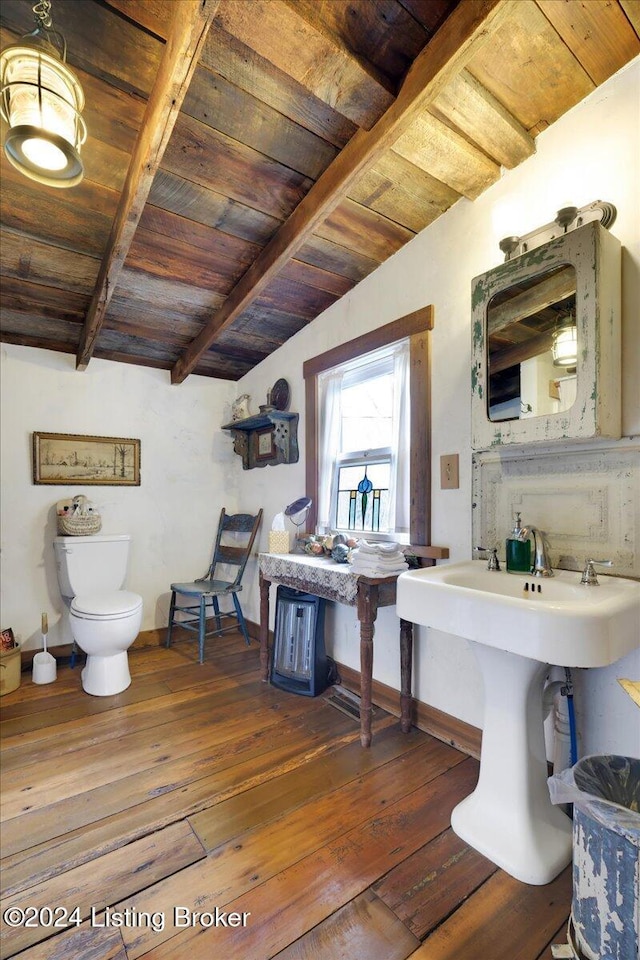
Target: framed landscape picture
column 67, row 458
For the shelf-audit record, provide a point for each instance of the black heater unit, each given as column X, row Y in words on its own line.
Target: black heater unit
column 299, row 660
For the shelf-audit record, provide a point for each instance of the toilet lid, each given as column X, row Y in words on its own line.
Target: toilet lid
column 110, row 606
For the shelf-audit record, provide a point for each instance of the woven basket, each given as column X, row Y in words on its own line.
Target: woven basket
column 79, row 526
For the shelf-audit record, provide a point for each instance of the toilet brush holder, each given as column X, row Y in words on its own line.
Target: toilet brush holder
column 44, row 668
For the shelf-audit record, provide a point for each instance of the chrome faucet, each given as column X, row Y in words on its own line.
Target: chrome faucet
column 541, row 563
column 589, row 576
column 492, row 562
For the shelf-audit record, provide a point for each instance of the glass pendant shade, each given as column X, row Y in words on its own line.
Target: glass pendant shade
column 565, row 347
column 42, row 102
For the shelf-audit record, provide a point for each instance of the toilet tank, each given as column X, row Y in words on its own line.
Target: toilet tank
column 91, row 564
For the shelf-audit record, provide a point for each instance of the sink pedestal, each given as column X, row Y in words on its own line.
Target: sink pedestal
column 516, row 633
column 509, row 818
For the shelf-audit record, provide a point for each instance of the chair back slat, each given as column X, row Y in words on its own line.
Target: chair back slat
column 238, row 522
column 234, row 553
column 229, row 554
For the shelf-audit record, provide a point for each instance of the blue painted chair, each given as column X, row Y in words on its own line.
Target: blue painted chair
column 234, row 541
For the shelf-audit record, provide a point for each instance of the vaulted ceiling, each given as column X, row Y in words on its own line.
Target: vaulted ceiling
column 249, row 161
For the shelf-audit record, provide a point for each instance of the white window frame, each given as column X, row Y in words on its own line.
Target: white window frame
column 392, row 359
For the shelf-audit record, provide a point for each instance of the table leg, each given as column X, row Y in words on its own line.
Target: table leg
column 264, row 628
column 367, row 612
column 406, row 657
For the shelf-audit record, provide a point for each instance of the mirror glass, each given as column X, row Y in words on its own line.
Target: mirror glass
column 532, row 346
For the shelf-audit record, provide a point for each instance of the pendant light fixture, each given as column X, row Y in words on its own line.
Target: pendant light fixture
column 565, row 344
column 42, row 101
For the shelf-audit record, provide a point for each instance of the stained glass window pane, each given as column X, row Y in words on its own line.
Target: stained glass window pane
column 376, row 502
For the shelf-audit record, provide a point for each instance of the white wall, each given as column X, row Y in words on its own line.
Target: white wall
column 589, row 154
column 187, row 468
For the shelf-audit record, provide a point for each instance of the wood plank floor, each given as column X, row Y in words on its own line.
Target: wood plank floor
column 203, row 814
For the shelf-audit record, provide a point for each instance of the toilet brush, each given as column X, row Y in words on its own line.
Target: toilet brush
column 44, row 665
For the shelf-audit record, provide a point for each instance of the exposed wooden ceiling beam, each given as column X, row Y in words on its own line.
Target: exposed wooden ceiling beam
column 179, row 60
column 455, row 43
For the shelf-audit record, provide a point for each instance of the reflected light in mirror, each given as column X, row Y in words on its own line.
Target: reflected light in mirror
column 565, row 346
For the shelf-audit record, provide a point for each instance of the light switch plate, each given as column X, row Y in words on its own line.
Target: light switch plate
column 449, row 472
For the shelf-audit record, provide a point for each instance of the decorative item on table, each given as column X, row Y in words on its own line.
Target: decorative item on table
column 336, row 547
column 10, row 662
column 278, row 535
column 297, row 512
column 240, row 407
column 44, row 665
column 313, row 545
column 340, row 553
column 78, row 517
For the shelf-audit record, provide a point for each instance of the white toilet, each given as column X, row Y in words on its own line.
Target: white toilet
column 104, row 619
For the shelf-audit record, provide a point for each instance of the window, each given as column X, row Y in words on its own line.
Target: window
column 363, row 444
column 412, row 448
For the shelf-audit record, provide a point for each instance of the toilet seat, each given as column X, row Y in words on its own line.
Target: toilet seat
column 106, row 606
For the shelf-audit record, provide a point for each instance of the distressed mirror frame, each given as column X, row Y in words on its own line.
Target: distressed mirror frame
column 595, row 254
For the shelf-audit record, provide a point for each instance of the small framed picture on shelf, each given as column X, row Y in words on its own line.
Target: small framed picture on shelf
column 265, row 447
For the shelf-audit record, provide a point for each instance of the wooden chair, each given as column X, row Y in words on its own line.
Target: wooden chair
column 234, row 540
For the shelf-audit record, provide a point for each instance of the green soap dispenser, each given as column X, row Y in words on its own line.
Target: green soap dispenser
column 518, row 550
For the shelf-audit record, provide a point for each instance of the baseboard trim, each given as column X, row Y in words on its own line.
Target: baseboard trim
column 62, row 652
column 150, row 638
column 463, row 736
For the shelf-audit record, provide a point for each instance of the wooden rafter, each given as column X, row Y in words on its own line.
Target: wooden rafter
column 457, row 41
column 179, row 60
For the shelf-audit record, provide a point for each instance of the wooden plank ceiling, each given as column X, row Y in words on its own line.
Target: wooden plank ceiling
column 250, row 161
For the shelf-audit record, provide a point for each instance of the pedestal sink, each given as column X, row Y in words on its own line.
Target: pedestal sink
column 518, row 626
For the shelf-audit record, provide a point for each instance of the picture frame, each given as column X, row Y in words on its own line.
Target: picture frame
column 77, row 459
column 265, row 447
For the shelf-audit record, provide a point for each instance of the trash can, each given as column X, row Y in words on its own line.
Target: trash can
column 605, row 793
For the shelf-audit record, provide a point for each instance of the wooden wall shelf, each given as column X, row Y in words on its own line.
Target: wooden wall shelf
column 265, row 439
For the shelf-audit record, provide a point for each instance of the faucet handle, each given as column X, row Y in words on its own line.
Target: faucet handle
column 589, row 575
column 492, row 562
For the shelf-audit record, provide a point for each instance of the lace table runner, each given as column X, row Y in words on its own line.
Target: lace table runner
column 316, row 575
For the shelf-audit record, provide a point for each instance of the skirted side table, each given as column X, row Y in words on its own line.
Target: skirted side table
column 336, row 581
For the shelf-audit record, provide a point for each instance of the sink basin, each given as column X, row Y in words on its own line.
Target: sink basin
column 516, row 630
column 557, row 620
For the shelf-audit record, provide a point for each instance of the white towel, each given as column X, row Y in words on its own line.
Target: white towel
column 378, row 549
column 376, row 567
column 378, row 559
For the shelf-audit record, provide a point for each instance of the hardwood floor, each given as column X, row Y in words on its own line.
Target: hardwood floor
column 130, row 820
